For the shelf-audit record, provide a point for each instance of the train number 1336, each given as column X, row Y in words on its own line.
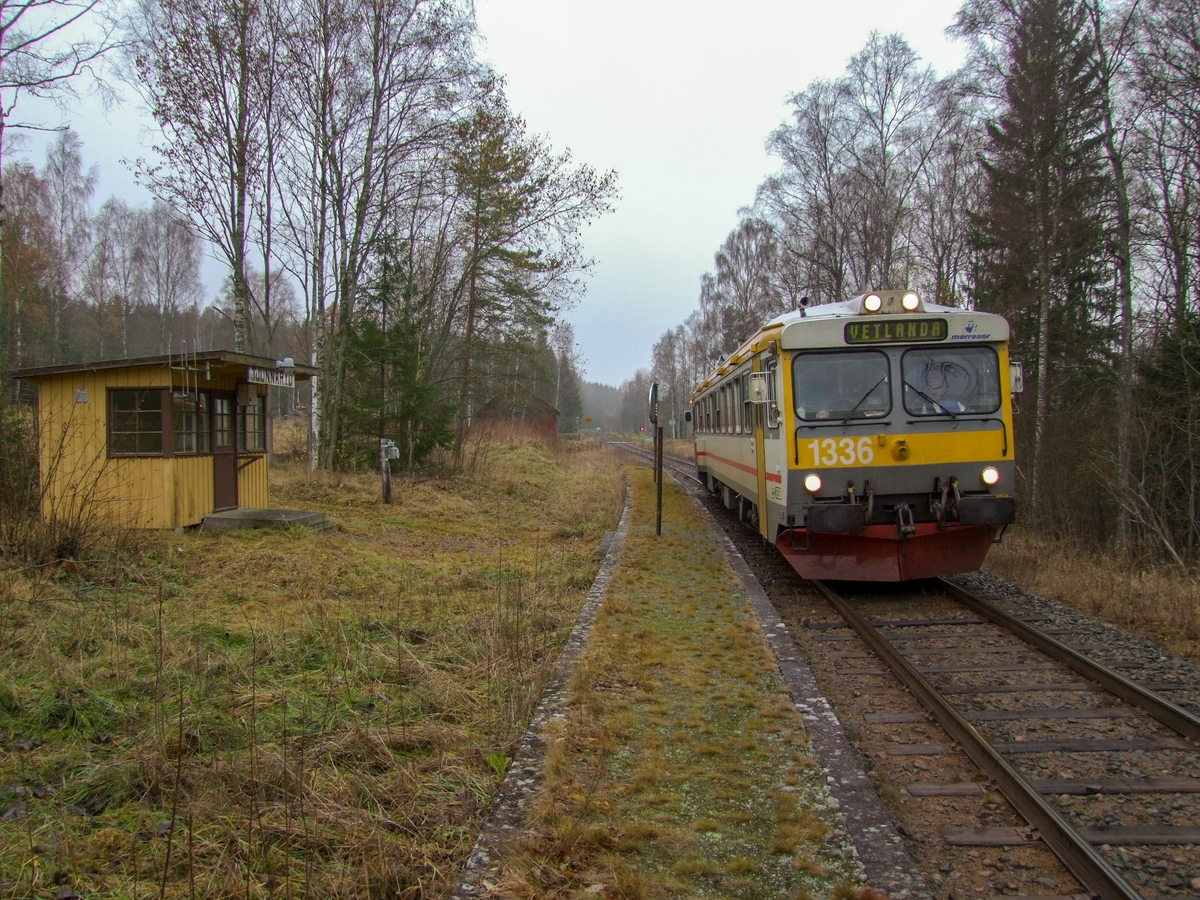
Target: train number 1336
column 847, row 451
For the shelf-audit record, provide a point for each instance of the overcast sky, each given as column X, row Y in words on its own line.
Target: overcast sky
column 678, row 96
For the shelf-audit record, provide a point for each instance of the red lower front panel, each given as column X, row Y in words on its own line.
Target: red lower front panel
column 877, row 553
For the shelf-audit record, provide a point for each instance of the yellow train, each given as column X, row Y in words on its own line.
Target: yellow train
column 869, row 440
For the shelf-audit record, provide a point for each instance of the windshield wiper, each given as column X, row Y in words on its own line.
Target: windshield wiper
column 925, row 396
column 863, row 398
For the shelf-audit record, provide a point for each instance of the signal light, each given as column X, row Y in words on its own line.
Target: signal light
column 990, row 476
column 910, row 301
column 872, row 303
column 812, row 483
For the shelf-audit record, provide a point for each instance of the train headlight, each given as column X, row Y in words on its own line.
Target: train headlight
column 872, row 303
column 910, row 301
column 812, row 483
column 990, row 475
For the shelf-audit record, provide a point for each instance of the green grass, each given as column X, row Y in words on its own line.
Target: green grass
column 276, row 713
column 682, row 769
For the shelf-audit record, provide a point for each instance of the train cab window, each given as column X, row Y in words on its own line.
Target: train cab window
column 942, row 381
column 845, row 385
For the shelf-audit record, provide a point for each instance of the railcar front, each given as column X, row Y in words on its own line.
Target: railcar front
column 869, row 440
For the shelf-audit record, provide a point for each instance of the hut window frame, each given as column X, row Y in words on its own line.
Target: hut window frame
column 195, row 424
column 252, row 423
column 147, row 421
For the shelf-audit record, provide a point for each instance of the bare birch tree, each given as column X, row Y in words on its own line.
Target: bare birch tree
column 171, row 268
column 200, row 66
column 69, row 192
column 370, row 85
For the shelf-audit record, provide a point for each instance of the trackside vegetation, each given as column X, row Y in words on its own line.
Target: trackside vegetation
column 1159, row 602
column 285, row 714
column 681, row 768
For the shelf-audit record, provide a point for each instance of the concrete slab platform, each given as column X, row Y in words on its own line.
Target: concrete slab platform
column 266, row 518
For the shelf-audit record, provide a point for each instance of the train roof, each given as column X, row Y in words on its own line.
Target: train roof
column 825, row 326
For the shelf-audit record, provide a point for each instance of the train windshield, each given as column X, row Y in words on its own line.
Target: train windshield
column 941, row 381
column 842, row 386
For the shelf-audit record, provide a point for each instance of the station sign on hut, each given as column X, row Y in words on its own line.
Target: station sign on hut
column 159, row 441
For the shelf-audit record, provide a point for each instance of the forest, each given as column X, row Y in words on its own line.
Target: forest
column 382, row 212
column 1052, row 179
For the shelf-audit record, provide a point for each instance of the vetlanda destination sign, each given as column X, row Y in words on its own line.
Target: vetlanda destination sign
column 271, row 376
column 885, row 332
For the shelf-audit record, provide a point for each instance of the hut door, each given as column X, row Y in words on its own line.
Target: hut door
column 225, row 463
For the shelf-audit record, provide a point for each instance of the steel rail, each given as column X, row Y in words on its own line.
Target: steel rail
column 1174, row 717
column 681, row 466
column 1067, row 844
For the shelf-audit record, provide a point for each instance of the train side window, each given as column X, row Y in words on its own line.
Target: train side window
column 737, row 403
column 772, row 394
column 747, row 406
column 717, row 410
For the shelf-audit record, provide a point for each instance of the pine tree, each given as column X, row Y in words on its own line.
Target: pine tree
column 1039, row 231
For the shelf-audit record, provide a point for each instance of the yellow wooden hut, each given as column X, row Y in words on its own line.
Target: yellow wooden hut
column 156, row 442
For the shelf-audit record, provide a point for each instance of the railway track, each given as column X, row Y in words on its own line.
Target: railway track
column 968, row 663
column 1025, row 752
column 684, row 468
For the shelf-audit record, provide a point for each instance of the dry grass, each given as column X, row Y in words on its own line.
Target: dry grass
column 1161, row 603
column 269, row 713
column 680, row 449
column 289, row 438
column 681, row 769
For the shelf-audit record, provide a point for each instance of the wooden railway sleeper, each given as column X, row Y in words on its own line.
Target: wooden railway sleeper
column 1173, row 716
column 1093, row 871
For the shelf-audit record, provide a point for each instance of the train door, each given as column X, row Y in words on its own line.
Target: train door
column 760, row 455
column 774, row 454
